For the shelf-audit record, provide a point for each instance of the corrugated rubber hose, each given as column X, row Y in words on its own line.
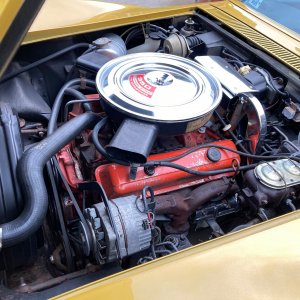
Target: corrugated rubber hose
column 30, row 173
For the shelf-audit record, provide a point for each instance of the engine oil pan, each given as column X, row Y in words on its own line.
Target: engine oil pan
column 174, row 93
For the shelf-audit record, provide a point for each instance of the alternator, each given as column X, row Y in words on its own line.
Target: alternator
column 130, row 223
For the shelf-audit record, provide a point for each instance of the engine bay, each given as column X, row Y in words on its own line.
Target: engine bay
column 130, row 144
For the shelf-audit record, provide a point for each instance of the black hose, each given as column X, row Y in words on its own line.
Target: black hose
column 136, row 30
column 58, row 101
column 30, row 170
column 194, row 41
column 166, row 163
column 237, row 60
column 195, row 172
column 133, row 34
column 159, row 29
column 99, row 126
column 43, row 60
column 268, row 77
column 249, row 155
column 71, row 102
column 269, row 80
column 78, row 95
column 234, row 137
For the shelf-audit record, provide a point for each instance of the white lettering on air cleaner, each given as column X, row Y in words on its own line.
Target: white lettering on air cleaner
column 138, row 82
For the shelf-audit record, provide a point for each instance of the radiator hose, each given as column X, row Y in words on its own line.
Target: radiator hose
column 30, row 173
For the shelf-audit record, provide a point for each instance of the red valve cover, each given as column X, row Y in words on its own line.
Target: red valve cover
column 116, row 182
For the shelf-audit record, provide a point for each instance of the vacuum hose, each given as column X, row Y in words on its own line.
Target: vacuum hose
column 30, row 172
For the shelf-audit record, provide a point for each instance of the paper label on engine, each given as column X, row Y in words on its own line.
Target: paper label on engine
column 194, row 125
column 139, row 84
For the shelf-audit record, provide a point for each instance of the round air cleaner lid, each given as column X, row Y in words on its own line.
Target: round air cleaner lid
column 158, row 87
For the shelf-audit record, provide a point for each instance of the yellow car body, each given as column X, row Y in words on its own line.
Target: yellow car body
column 261, row 262
column 86, row 16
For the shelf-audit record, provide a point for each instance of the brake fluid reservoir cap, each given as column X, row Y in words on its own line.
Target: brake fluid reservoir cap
column 278, row 174
column 158, row 87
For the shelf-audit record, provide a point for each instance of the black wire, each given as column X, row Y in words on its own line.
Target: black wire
column 144, row 198
column 78, row 95
column 54, row 116
column 144, row 259
column 238, row 61
column 285, row 94
column 214, row 172
column 111, row 218
column 163, row 252
column 269, row 79
column 254, row 156
column 160, row 29
column 231, row 182
column 59, row 99
column 64, row 232
column 86, row 88
column 234, row 137
column 100, row 125
column 73, row 199
column 135, row 30
column 127, row 31
column 43, row 60
column 66, row 109
column 195, row 172
column 132, row 34
column 166, row 163
column 167, row 243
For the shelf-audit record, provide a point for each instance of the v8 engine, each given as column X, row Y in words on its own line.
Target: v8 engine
column 144, row 141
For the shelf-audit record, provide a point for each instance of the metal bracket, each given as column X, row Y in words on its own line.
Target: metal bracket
column 217, row 230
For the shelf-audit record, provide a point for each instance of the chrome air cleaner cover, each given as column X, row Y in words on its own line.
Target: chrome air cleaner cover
column 159, row 88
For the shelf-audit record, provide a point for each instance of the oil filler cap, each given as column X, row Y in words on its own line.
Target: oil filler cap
column 213, row 154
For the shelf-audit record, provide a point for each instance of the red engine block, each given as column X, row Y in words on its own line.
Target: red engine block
column 116, row 182
column 115, row 178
